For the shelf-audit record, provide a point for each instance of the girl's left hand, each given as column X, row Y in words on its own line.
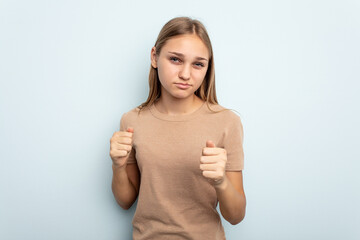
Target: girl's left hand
column 213, row 162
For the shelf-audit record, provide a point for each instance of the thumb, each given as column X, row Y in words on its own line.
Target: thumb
column 210, row 143
column 130, row 129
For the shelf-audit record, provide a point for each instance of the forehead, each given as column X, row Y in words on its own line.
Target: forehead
column 188, row 44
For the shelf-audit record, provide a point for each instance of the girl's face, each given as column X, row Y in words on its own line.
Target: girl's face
column 184, row 59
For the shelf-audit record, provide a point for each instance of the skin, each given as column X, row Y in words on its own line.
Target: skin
column 173, row 69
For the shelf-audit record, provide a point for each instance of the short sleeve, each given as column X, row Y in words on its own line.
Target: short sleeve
column 233, row 144
column 123, row 127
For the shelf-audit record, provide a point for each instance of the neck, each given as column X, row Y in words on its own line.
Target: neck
column 176, row 106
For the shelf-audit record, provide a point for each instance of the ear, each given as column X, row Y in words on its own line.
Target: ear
column 153, row 57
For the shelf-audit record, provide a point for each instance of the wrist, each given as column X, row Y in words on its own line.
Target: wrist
column 222, row 185
column 118, row 168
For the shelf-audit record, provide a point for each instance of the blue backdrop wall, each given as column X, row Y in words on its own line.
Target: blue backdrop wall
column 70, row 69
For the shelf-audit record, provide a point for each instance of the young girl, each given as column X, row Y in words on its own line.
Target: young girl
column 180, row 152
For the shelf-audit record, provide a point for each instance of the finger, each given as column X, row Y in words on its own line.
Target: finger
column 211, row 151
column 117, row 146
column 125, row 134
column 209, row 159
column 209, row 167
column 122, row 153
column 210, row 143
column 124, row 147
column 121, row 134
column 130, row 129
column 210, row 174
column 124, row 140
column 118, row 153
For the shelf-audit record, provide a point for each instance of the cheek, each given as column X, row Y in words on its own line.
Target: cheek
column 199, row 75
column 168, row 70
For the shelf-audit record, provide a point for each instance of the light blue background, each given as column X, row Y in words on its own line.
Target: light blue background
column 70, row 69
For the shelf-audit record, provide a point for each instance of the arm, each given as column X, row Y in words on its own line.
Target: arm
column 228, row 184
column 125, row 184
column 231, row 197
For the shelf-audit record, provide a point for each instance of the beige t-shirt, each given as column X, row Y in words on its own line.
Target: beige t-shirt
column 175, row 200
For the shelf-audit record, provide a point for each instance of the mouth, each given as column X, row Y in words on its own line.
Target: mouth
column 182, row 85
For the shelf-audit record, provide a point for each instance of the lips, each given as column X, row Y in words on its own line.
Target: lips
column 182, row 85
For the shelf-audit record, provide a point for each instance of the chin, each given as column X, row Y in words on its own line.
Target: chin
column 182, row 96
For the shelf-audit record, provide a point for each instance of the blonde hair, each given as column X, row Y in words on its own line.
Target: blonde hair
column 174, row 27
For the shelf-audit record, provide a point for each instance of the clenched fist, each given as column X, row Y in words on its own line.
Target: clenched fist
column 213, row 163
column 120, row 146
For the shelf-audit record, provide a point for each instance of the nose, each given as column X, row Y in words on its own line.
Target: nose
column 185, row 72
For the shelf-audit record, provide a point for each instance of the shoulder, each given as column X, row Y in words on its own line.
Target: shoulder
column 129, row 118
column 131, row 112
column 134, row 113
column 231, row 123
column 226, row 115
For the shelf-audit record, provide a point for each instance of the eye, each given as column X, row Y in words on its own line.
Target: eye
column 174, row 59
column 199, row 64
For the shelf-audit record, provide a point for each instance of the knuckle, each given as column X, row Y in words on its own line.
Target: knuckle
column 205, row 150
column 124, row 147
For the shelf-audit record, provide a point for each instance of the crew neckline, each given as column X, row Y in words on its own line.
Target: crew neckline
column 176, row 118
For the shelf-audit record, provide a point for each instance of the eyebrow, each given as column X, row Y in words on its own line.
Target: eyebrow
column 182, row 55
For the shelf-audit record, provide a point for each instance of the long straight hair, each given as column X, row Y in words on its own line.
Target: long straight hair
column 174, row 27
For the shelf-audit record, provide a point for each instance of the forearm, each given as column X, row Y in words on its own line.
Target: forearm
column 232, row 203
column 124, row 192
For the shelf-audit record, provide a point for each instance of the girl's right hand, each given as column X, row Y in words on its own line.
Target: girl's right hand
column 120, row 147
